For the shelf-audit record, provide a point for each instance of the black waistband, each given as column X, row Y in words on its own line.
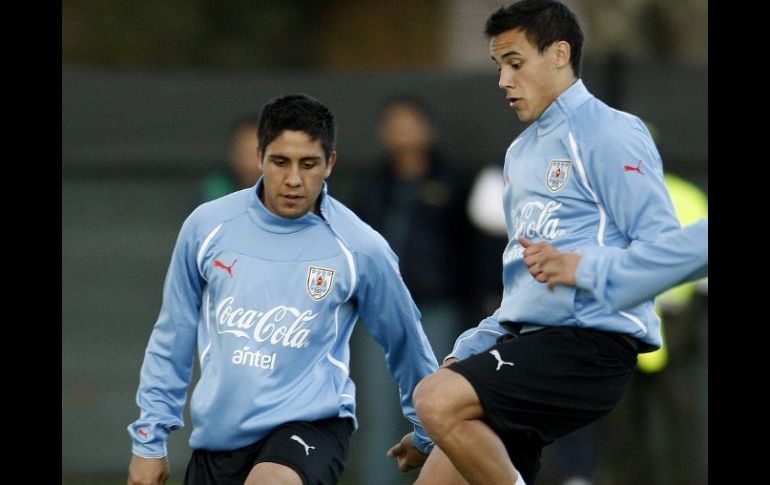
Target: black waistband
column 517, row 327
column 522, row 327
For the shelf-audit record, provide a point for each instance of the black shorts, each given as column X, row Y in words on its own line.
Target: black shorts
column 315, row 450
column 536, row 387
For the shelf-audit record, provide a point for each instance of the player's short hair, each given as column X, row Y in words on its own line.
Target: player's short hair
column 543, row 23
column 297, row 112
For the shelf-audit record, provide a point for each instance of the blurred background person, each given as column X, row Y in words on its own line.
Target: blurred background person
column 415, row 200
column 242, row 169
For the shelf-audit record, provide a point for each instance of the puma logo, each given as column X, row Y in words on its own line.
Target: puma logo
column 631, row 168
column 305, row 445
column 142, row 432
column 500, row 361
column 229, row 269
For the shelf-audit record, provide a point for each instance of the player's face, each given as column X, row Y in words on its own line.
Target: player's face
column 294, row 169
column 528, row 78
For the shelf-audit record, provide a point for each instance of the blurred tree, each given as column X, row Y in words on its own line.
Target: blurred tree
column 174, row 33
column 346, row 34
column 372, row 34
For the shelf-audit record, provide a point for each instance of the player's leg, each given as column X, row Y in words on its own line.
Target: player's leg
column 303, row 453
column 267, row 473
column 439, row 470
column 451, row 413
column 525, row 392
column 220, row 467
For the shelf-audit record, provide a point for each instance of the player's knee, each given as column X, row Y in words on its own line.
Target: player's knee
column 434, row 408
column 423, row 396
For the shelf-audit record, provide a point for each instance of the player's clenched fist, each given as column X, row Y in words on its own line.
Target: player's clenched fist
column 147, row 471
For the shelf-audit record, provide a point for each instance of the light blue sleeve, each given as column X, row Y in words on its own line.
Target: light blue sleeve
column 622, row 278
column 478, row 339
column 626, row 171
column 390, row 314
column 168, row 360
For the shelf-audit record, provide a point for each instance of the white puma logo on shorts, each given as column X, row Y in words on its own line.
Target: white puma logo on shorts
column 500, row 361
column 300, row 441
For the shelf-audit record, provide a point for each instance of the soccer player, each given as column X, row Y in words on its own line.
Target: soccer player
column 623, row 278
column 581, row 174
column 266, row 285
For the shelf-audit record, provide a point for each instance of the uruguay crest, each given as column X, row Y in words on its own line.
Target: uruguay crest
column 319, row 282
column 558, row 173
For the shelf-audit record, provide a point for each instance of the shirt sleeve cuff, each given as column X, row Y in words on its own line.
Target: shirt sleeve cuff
column 422, row 441
column 149, row 441
column 585, row 275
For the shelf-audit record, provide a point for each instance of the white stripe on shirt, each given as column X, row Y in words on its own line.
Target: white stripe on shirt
column 584, row 178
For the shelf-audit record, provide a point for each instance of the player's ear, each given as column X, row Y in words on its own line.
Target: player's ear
column 259, row 158
column 562, row 53
column 330, row 164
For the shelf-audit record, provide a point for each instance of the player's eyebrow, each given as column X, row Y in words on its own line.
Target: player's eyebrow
column 509, row 54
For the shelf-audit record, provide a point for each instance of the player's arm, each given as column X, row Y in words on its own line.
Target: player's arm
column 168, row 361
column 470, row 342
column 477, row 339
column 392, row 318
column 625, row 176
column 675, row 257
column 608, row 272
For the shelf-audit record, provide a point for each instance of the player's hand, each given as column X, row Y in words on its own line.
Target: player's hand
column 147, row 471
column 407, row 455
column 533, row 255
column 549, row 265
column 560, row 269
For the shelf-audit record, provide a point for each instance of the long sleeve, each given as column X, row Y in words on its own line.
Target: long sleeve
column 622, row 278
column 626, row 171
column 479, row 338
column 168, row 361
column 393, row 320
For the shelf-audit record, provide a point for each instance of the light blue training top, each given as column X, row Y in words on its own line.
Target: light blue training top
column 269, row 304
column 582, row 175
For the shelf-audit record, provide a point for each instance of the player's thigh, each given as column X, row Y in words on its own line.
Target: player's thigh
column 268, row 473
column 221, row 467
column 316, row 451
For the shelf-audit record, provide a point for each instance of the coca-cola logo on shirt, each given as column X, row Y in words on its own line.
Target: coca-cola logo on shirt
column 535, row 220
column 538, row 220
column 281, row 325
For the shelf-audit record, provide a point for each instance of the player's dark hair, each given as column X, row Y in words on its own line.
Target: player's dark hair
column 543, row 23
column 297, row 112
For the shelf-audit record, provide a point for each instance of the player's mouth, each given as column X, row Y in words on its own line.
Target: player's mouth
column 292, row 198
column 514, row 102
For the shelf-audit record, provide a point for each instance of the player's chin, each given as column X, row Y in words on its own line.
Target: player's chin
column 293, row 211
